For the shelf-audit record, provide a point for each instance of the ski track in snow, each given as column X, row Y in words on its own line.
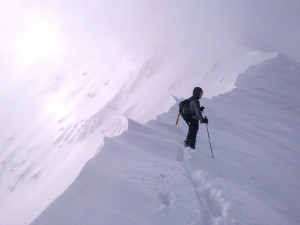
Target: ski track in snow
column 217, row 200
column 212, row 201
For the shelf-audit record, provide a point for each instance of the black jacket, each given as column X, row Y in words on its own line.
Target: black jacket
column 195, row 109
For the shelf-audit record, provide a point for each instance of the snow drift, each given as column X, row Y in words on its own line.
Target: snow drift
column 83, row 108
column 146, row 176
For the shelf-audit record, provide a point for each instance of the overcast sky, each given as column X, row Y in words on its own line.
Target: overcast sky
column 32, row 30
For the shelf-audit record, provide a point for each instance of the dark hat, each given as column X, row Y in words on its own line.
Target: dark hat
column 197, row 91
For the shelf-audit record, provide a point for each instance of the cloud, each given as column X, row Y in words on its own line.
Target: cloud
column 97, row 29
column 139, row 24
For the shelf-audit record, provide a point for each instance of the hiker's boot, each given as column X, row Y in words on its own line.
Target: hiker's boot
column 186, row 143
column 187, row 140
column 192, row 143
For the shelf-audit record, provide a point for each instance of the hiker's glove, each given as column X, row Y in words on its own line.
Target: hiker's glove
column 205, row 120
column 202, row 108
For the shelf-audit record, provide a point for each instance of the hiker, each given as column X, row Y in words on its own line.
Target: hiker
column 194, row 118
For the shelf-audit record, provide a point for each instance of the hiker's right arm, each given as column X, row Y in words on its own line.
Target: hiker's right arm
column 196, row 111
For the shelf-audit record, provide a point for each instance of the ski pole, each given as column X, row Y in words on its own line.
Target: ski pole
column 212, row 155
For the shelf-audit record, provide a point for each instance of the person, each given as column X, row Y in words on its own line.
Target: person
column 196, row 116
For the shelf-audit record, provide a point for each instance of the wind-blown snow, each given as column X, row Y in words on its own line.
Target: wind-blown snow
column 146, row 176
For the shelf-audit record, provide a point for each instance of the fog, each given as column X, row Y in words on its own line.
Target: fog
column 46, row 38
column 80, row 30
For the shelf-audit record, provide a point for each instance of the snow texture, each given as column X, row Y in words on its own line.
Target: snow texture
column 146, row 176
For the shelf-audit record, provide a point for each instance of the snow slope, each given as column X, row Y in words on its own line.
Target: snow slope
column 66, row 115
column 146, row 176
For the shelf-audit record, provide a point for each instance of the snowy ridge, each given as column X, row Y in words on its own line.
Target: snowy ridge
column 66, row 114
column 146, row 176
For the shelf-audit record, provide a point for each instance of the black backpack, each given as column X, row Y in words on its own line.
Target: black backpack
column 184, row 109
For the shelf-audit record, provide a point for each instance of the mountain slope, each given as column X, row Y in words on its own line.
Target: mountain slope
column 146, row 176
column 57, row 121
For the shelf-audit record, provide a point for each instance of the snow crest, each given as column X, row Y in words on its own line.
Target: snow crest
column 146, row 176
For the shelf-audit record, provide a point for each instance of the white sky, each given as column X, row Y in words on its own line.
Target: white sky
column 65, row 35
column 32, row 30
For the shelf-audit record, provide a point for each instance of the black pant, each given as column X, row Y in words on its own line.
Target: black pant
column 193, row 129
